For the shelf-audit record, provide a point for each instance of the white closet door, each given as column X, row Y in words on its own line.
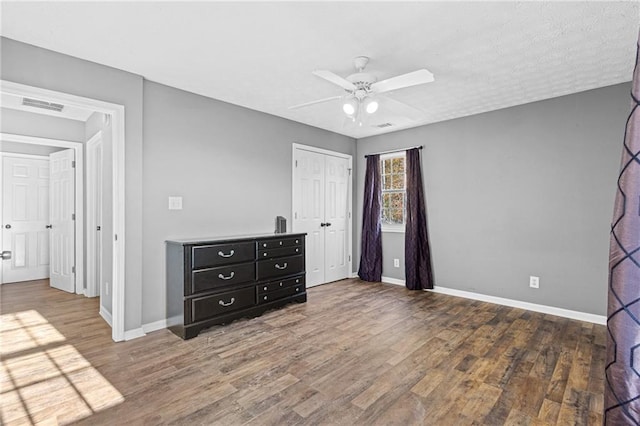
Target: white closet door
column 25, row 214
column 321, row 209
column 336, row 218
column 62, row 218
column 309, row 187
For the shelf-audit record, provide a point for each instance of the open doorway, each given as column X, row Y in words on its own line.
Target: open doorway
column 107, row 119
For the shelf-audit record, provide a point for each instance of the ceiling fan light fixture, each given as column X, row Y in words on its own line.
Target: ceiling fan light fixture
column 371, row 106
column 350, row 107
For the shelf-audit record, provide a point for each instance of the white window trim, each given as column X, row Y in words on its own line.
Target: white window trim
column 398, row 229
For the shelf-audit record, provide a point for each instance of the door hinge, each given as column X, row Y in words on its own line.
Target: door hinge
column 116, row 237
column 295, row 215
column 349, row 258
column 73, row 269
column 296, row 163
column 349, row 172
column 73, row 164
column 73, row 216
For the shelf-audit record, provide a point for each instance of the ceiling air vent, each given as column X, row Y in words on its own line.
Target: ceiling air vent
column 42, row 104
column 383, row 125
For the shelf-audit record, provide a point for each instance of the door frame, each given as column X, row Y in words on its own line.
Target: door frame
column 78, row 196
column 117, row 114
column 294, row 147
column 93, row 289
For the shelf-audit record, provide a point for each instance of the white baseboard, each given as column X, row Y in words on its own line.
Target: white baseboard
column 106, row 316
column 134, row 334
column 159, row 325
column 394, row 281
column 552, row 310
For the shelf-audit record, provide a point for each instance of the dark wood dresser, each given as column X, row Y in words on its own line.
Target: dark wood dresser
column 215, row 281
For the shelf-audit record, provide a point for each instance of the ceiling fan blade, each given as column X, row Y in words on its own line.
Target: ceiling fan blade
column 401, row 109
column 405, row 80
column 335, row 79
column 333, row 98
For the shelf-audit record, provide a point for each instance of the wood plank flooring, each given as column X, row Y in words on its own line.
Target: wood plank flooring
column 355, row 354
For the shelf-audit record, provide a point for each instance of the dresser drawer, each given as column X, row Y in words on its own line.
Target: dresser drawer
column 207, row 279
column 222, row 254
column 279, row 285
column 281, row 294
column 279, row 242
column 219, row 304
column 280, row 267
column 279, row 252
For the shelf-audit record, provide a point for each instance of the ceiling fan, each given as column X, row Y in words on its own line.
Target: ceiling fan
column 363, row 91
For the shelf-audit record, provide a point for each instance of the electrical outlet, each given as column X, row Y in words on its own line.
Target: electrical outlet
column 534, row 282
column 396, row 263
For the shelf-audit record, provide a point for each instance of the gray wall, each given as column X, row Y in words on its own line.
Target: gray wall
column 231, row 165
column 521, row 191
column 96, row 124
column 30, row 65
column 40, row 125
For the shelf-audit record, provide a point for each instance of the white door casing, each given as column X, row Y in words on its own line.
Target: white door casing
column 62, row 220
column 118, row 237
column 322, row 208
column 25, row 214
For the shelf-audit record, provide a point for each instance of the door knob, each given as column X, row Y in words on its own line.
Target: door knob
column 49, row 226
column 5, row 255
column 7, row 226
column 327, row 224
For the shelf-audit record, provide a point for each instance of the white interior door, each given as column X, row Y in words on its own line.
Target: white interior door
column 94, row 217
column 336, row 218
column 62, row 217
column 309, row 210
column 25, row 214
column 321, row 209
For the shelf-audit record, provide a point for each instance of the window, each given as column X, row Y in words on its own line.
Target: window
column 393, row 192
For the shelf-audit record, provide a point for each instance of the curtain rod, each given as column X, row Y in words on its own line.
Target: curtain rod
column 395, row 150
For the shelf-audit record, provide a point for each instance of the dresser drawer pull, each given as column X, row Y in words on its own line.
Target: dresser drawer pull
column 281, row 267
column 221, row 254
column 222, row 277
column 227, row 304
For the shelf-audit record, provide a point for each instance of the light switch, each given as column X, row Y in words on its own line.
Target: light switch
column 175, row 203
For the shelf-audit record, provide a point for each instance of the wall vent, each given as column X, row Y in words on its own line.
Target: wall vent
column 42, row 104
column 383, row 125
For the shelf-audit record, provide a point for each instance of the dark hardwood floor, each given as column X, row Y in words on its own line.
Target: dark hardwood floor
column 355, row 353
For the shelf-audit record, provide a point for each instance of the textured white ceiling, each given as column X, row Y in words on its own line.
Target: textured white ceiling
column 484, row 56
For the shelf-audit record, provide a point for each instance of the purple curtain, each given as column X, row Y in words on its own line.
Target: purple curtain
column 622, row 371
column 371, row 257
column 417, row 255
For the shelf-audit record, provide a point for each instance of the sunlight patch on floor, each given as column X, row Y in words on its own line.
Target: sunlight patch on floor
column 44, row 379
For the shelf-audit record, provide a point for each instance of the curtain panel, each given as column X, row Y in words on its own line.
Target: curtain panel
column 371, row 248
column 622, row 368
column 417, row 253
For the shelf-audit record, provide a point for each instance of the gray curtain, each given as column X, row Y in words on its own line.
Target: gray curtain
column 371, row 247
column 417, row 254
column 622, row 370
